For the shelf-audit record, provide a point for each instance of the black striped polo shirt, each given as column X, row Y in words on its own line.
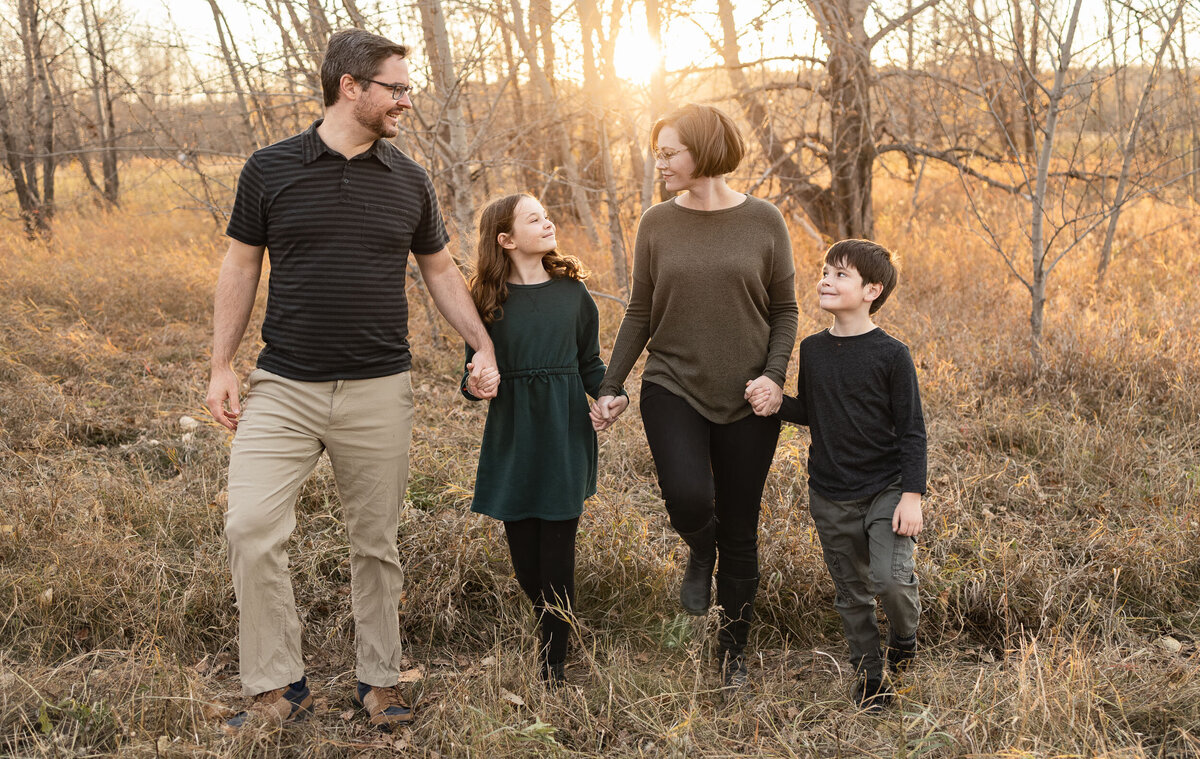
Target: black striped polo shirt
column 338, row 233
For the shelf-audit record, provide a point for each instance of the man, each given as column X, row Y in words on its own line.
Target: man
column 339, row 208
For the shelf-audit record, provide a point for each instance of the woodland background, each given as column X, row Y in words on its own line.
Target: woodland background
column 1035, row 164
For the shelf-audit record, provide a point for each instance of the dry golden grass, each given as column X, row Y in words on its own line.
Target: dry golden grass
column 1060, row 553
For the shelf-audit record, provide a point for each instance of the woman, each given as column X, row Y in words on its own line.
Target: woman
column 713, row 299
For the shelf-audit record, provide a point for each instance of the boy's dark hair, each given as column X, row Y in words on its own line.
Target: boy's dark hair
column 709, row 134
column 872, row 261
column 357, row 53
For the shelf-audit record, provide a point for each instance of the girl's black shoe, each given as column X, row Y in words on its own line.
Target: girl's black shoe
column 555, row 674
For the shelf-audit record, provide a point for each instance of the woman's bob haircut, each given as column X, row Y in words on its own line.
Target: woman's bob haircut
column 710, row 136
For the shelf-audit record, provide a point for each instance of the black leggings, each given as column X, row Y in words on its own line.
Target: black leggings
column 707, row 469
column 543, row 556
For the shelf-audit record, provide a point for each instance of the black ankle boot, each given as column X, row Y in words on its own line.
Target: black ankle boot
column 734, row 675
column 554, row 674
column 900, row 652
column 872, row 693
column 695, row 592
column 736, row 597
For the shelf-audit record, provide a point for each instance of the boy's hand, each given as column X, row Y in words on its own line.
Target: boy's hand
column 907, row 519
column 764, row 395
column 606, row 409
column 482, row 383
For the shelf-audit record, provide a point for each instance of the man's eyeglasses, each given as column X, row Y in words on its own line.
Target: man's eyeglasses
column 666, row 154
column 398, row 90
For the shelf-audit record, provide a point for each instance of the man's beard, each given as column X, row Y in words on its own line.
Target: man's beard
column 377, row 122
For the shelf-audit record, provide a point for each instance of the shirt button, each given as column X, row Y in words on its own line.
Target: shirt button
column 345, row 181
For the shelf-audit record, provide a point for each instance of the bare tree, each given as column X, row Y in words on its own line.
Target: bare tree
column 1128, row 147
column 103, row 96
column 561, row 129
column 450, row 132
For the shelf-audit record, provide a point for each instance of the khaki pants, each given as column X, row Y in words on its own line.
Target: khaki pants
column 366, row 427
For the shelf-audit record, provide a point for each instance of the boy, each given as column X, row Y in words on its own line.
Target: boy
column 857, row 392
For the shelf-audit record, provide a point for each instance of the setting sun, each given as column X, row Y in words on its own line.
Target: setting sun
column 636, row 56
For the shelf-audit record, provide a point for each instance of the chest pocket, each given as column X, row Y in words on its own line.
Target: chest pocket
column 386, row 228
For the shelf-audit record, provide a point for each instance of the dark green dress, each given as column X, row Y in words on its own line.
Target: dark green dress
column 538, row 456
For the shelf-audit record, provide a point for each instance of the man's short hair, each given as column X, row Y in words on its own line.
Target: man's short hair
column 710, row 136
column 872, row 261
column 357, row 53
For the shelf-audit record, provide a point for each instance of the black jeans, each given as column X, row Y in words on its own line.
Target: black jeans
column 707, row 469
column 543, row 556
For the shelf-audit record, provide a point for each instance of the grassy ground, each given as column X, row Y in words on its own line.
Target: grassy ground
column 1060, row 576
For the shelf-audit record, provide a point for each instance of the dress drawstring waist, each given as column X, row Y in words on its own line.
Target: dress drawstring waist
column 540, row 373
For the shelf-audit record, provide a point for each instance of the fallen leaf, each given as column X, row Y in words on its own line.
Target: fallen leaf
column 511, row 697
column 347, row 715
column 8, row 530
column 46, row 597
column 414, row 675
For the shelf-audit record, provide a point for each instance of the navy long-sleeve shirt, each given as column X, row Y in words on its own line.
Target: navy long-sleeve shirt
column 859, row 397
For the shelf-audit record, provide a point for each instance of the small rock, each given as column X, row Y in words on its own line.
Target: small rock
column 188, row 423
column 1167, row 643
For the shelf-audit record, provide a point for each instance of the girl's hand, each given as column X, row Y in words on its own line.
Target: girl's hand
column 764, row 396
column 483, row 384
column 606, row 409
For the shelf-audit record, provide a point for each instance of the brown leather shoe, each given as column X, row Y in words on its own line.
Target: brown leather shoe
column 291, row 703
column 385, row 706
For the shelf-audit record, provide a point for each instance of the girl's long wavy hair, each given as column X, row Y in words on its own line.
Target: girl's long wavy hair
column 489, row 281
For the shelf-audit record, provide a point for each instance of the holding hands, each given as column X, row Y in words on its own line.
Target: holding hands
column 606, row 409
column 764, row 395
column 483, row 379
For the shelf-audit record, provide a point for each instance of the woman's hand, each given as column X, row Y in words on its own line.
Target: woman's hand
column 606, row 409
column 764, row 395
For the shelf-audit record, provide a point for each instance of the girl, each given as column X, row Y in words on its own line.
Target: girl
column 537, row 462
column 713, row 297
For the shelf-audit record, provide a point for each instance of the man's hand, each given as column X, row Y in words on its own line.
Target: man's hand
column 223, row 391
column 483, row 378
column 907, row 519
column 606, row 409
column 764, row 395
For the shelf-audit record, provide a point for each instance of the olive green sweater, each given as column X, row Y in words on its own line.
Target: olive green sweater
column 714, row 299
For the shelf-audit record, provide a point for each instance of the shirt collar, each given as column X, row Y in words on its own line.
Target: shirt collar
column 313, row 147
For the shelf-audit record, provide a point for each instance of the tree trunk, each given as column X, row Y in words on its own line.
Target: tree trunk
column 452, row 129
column 816, row 201
column 852, row 154
column 102, row 98
column 562, row 134
column 660, row 99
column 27, row 197
column 1131, row 143
column 235, row 82
column 1037, row 289
column 37, row 76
